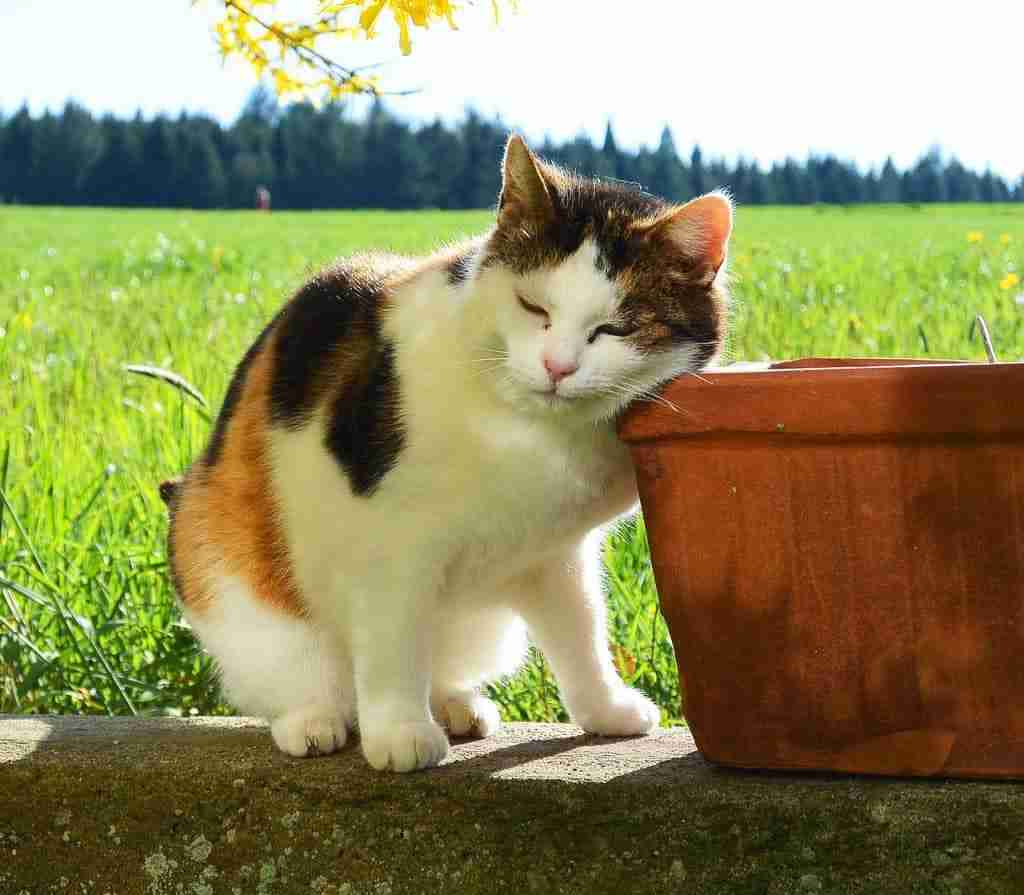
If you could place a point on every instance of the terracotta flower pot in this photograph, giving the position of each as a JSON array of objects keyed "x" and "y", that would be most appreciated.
[{"x": 839, "y": 552}]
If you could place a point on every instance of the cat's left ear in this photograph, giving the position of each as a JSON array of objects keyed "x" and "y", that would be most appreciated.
[
  {"x": 525, "y": 194},
  {"x": 701, "y": 229}
]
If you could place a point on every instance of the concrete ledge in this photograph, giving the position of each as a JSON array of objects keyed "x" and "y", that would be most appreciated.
[{"x": 90, "y": 806}]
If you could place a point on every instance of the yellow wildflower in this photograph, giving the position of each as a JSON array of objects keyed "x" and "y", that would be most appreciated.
[
  {"x": 975, "y": 236},
  {"x": 1009, "y": 281},
  {"x": 1005, "y": 239}
]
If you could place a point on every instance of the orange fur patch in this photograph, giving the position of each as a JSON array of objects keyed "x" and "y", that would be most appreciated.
[{"x": 226, "y": 519}]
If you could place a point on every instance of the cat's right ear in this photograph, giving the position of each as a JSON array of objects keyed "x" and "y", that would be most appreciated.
[{"x": 525, "y": 195}]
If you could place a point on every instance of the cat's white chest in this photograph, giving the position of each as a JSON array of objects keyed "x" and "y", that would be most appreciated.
[{"x": 526, "y": 489}]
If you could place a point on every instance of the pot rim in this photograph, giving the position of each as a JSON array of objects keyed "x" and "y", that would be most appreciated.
[{"x": 838, "y": 397}]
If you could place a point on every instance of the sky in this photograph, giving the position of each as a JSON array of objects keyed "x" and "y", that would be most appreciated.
[{"x": 762, "y": 80}]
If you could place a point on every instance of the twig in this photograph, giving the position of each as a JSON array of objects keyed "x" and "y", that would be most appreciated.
[{"x": 313, "y": 56}]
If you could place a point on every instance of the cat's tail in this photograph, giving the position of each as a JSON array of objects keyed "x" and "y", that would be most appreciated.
[{"x": 169, "y": 489}]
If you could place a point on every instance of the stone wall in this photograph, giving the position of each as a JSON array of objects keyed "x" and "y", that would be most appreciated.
[{"x": 202, "y": 806}]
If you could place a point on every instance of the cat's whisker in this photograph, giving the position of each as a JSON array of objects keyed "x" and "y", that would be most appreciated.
[
  {"x": 493, "y": 368},
  {"x": 649, "y": 395}
]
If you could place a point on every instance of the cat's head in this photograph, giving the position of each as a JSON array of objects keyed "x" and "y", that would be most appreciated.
[{"x": 599, "y": 292}]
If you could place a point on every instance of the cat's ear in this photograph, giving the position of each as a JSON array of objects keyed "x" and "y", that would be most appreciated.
[
  {"x": 700, "y": 228},
  {"x": 525, "y": 194}
]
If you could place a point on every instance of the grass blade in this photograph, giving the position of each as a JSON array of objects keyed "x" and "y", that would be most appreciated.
[
  {"x": 3, "y": 484},
  {"x": 5, "y": 501},
  {"x": 171, "y": 378}
]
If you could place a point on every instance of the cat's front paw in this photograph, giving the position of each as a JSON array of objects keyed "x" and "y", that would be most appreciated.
[
  {"x": 404, "y": 746},
  {"x": 624, "y": 713},
  {"x": 470, "y": 715},
  {"x": 309, "y": 732}
]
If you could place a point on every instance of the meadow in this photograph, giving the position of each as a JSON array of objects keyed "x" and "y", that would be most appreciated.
[{"x": 87, "y": 616}]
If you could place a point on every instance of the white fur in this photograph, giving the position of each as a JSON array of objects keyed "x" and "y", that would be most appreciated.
[{"x": 489, "y": 524}]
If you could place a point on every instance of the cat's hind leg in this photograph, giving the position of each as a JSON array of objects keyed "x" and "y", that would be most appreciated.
[{"x": 275, "y": 664}]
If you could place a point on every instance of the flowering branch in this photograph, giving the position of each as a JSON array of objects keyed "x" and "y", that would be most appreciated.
[{"x": 287, "y": 50}]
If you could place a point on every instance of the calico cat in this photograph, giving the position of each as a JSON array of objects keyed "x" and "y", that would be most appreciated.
[{"x": 415, "y": 459}]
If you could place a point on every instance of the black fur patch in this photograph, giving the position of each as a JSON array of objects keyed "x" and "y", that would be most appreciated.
[
  {"x": 329, "y": 347},
  {"x": 365, "y": 433},
  {"x": 231, "y": 399},
  {"x": 332, "y": 307},
  {"x": 169, "y": 489},
  {"x": 457, "y": 269}
]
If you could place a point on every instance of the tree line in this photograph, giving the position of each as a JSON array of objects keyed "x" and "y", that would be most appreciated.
[{"x": 324, "y": 158}]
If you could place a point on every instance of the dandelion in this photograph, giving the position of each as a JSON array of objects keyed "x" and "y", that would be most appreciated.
[
  {"x": 1009, "y": 281},
  {"x": 975, "y": 236},
  {"x": 24, "y": 319},
  {"x": 1004, "y": 239}
]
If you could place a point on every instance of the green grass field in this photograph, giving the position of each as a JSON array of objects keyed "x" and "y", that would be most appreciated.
[{"x": 87, "y": 618}]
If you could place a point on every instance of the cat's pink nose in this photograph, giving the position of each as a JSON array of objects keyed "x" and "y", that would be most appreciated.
[{"x": 558, "y": 370}]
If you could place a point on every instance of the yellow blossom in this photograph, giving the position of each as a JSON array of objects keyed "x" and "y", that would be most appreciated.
[
  {"x": 1009, "y": 281},
  {"x": 249, "y": 31},
  {"x": 1004, "y": 238},
  {"x": 975, "y": 236},
  {"x": 23, "y": 319}
]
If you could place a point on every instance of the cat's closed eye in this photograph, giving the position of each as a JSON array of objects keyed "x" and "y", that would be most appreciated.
[
  {"x": 610, "y": 329},
  {"x": 531, "y": 308}
]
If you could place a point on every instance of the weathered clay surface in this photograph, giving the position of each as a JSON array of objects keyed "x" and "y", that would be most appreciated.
[{"x": 203, "y": 806}]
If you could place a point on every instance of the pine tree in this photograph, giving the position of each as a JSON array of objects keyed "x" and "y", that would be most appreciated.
[
  {"x": 961, "y": 185},
  {"x": 17, "y": 176},
  {"x": 159, "y": 151},
  {"x": 889, "y": 183},
  {"x": 444, "y": 155},
  {"x": 699, "y": 181},
  {"x": 609, "y": 162},
  {"x": 926, "y": 180},
  {"x": 117, "y": 176},
  {"x": 667, "y": 175},
  {"x": 202, "y": 182}
]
